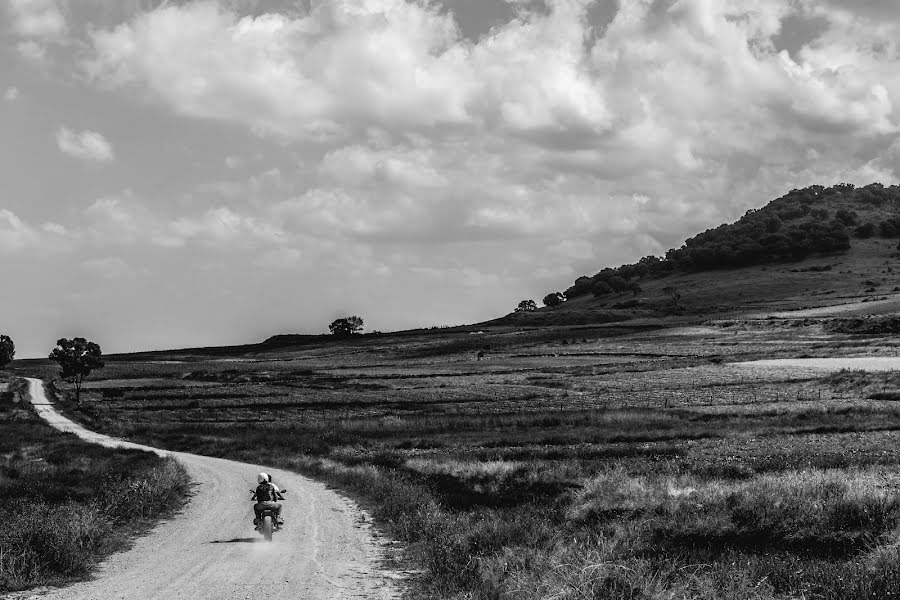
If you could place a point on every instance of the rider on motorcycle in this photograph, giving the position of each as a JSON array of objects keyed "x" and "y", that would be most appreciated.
[{"x": 267, "y": 495}]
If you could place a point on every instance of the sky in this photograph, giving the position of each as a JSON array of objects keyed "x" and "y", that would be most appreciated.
[{"x": 202, "y": 172}]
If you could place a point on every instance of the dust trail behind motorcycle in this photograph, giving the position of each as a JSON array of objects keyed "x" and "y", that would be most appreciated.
[{"x": 326, "y": 550}]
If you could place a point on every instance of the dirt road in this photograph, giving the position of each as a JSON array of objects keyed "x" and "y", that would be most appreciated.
[
  {"x": 210, "y": 550},
  {"x": 847, "y": 309},
  {"x": 857, "y": 363}
]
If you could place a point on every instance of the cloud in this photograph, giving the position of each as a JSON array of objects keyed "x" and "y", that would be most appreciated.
[
  {"x": 11, "y": 94},
  {"x": 111, "y": 267},
  {"x": 548, "y": 140},
  {"x": 660, "y": 91},
  {"x": 223, "y": 225},
  {"x": 17, "y": 235},
  {"x": 323, "y": 74},
  {"x": 87, "y": 145},
  {"x": 125, "y": 219},
  {"x": 38, "y": 24},
  {"x": 42, "y": 19}
]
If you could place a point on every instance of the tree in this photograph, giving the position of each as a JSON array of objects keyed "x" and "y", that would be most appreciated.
[
  {"x": 77, "y": 358},
  {"x": 346, "y": 326},
  {"x": 553, "y": 299},
  {"x": 526, "y": 306},
  {"x": 581, "y": 287},
  {"x": 7, "y": 350},
  {"x": 618, "y": 284},
  {"x": 866, "y": 230},
  {"x": 601, "y": 288}
]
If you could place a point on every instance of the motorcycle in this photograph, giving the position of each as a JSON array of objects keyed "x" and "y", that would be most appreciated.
[{"x": 268, "y": 518}]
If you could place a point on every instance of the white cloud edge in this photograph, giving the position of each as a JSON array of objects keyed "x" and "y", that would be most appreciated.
[{"x": 86, "y": 145}]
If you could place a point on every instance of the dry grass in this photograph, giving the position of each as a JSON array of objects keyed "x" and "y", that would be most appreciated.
[
  {"x": 66, "y": 504},
  {"x": 551, "y": 471}
]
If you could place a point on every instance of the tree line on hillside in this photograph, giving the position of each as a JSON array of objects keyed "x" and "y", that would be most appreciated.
[{"x": 790, "y": 228}]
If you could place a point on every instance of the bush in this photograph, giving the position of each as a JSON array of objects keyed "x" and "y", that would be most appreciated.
[
  {"x": 864, "y": 231},
  {"x": 45, "y": 543},
  {"x": 58, "y": 526}
]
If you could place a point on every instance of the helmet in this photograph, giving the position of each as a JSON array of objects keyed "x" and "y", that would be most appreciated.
[{"x": 262, "y": 477}]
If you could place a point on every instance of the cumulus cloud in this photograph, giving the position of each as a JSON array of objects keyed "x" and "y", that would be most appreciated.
[
  {"x": 37, "y": 18},
  {"x": 401, "y": 65},
  {"x": 550, "y": 140},
  {"x": 125, "y": 219},
  {"x": 223, "y": 225},
  {"x": 11, "y": 94},
  {"x": 332, "y": 70},
  {"x": 540, "y": 111},
  {"x": 38, "y": 24},
  {"x": 14, "y": 233},
  {"x": 397, "y": 158},
  {"x": 87, "y": 145},
  {"x": 18, "y": 235}
]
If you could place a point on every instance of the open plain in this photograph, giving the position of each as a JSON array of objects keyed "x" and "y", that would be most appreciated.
[{"x": 640, "y": 460}]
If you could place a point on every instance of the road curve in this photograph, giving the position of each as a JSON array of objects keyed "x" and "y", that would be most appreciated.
[{"x": 210, "y": 550}]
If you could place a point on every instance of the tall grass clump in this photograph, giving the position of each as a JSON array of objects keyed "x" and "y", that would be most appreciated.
[{"x": 66, "y": 504}]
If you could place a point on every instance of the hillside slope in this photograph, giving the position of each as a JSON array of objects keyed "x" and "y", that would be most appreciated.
[{"x": 812, "y": 247}]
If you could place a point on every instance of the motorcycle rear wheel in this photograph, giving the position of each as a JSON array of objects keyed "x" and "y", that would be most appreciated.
[{"x": 267, "y": 528}]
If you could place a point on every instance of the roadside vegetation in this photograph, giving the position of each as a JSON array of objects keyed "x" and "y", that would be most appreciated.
[
  {"x": 66, "y": 504},
  {"x": 567, "y": 464}
]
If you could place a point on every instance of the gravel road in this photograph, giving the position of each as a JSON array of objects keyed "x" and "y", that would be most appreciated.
[
  {"x": 210, "y": 550},
  {"x": 847, "y": 309},
  {"x": 857, "y": 363}
]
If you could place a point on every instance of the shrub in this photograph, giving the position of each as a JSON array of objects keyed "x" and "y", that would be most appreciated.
[
  {"x": 62, "y": 523},
  {"x": 864, "y": 231}
]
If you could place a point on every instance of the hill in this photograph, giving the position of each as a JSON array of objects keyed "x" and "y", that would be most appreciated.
[{"x": 810, "y": 247}]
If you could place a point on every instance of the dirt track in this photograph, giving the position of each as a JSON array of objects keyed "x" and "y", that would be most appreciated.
[
  {"x": 847, "y": 309},
  {"x": 858, "y": 363},
  {"x": 210, "y": 550}
]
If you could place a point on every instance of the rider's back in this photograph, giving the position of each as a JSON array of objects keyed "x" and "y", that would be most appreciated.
[{"x": 265, "y": 492}]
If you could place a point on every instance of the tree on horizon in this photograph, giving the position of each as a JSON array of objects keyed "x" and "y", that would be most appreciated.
[
  {"x": 554, "y": 299},
  {"x": 77, "y": 358},
  {"x": 526, "y": 306},
  {"x": 346, "y": 326},
  {"x": 7, "y": 351}
]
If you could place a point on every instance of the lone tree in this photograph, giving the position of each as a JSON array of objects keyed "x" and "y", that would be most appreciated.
[
  {"x": 7, "y": 350},
  {"x": 346, "y": 326},
  {"x": 77, "y": 358},
  {"x": 526, "y": 306},
  {"x": 553, "y": 299}
]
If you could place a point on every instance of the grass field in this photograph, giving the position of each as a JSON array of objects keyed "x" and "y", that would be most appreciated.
[
  {"x": 66, "y": 504},
  {"x": 582, "y": 462}
]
